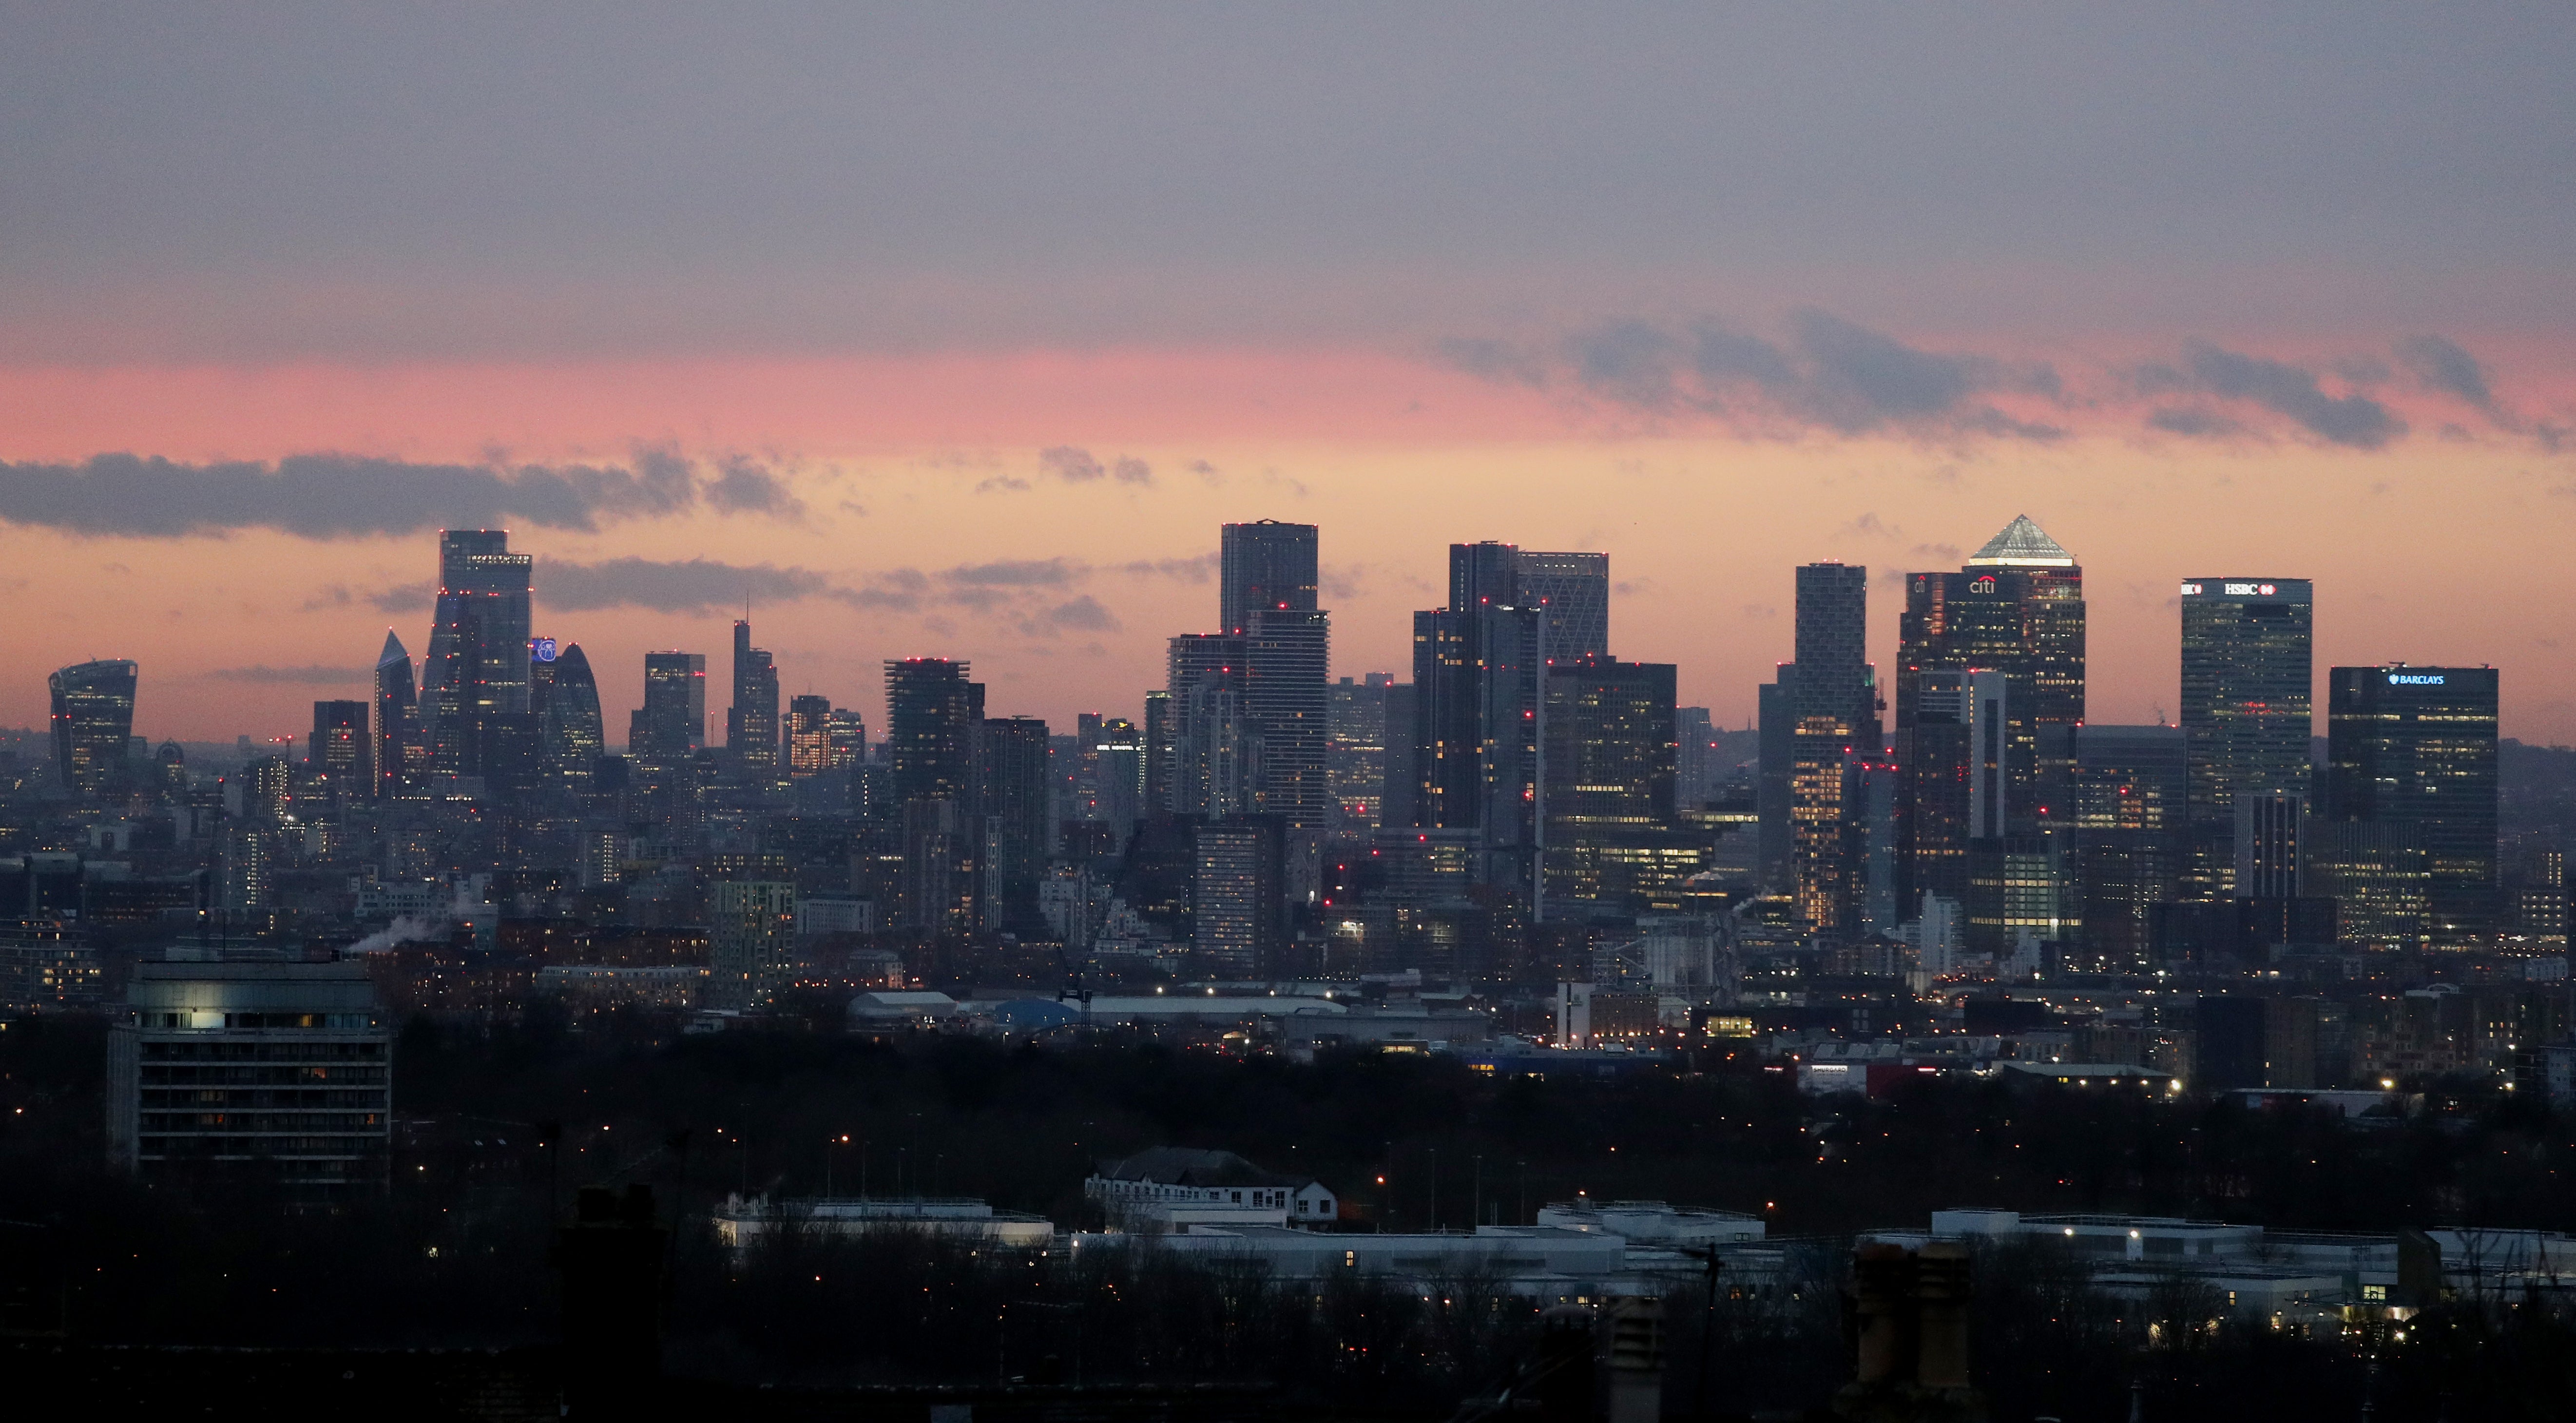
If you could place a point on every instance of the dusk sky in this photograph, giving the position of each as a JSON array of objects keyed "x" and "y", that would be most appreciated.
[{"x": 958, "y": 329}]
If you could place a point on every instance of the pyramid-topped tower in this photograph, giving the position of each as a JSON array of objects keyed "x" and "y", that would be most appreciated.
[{"x": 2022, "y": 544}]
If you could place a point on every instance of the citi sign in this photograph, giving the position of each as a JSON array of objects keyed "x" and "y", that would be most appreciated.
[
  {"x": 2415, "y": 679},
  {"x": 2232, "y": 590}
]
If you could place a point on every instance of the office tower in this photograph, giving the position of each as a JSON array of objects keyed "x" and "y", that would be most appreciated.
[
  {"x": 93, "y": 721},
  {"x": 1831, "y": 714},
  {"x": 339, "y": 746},
  {"x": 1609, "y": 759},
  {"x": 1264, "y": 566},
  {"x": 1479, "y": 695},
  {"x": 1574, "y": 590},
  {"x": 1287, "y": 715},
  {"x": 1400, "y": 790},
  {"x": 672, "y": 723},
  {"x": 1113, "y": 792},
  {"x": 1210, "y": 736},
  {"x": 2377, "y": 874},
  {"x": 1869, "y": 792},
  {"x": 1012, "y": 775},
  {"x": 2017, "y": 608},
  {"x": 809, "y": 735},
  {"x": 934, "y": 724},
  {"x": 2247, "y": 674},
  {"x": 2127, "y": 793},
  {"x": 751, "y": 936},
  {"x": 575, "y": 732},
  {"x": 751, "y": 723},
  {"x": 179, "y": 1101},
  {"x": 1695, "y": 769},
  {"x": 478, "y": 647},
  {"x": 2265, "y": 844},
  {"x": 1160, "y": 751},
  {"x": 1356, "y": 757},
  {"x": 267, "y": 790},
  {"x": 1235, "y": 899},
  {"x": 1775, "y": 715},
  {"x": 1955, "y": 780},
  {"x": 2415, "y": 747},
  {"x": 399, "y": 752}
]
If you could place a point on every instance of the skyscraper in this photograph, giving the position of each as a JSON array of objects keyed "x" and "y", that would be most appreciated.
[
  {"x": 575, "y": 731},
  {"x": 339, "y": 746},
  {"x": 1955, "y": 780},
  {"x": 93, "y": 722},
  {"x": 2247, "y": 674},
  {"x": 1012, "y": 774},
  {"x": 1210, "y": 737},
  {"x": 1479, "y": 688},
  {"x": 1776, "y": 718},
  {"x": 1833, "y": 715},
  {"x": 1266, "y": 599},
  {"x": 1356, "y": 759},
  {"x": 478, "y": 646},
  {"x": 399, "y": 752},
  {"x": 1287, "y": 715},
  {"x": 809, "y": 735},
  {"x": 1574, "y": 591},
  {"x": 1235, "y": 899},
  {"x": 1609, "y": 760},
  {"x": 2128, "y": 802},
  {"x": 751, "y": 723},
  {"x": 2415, "y": 748},
  {"x": 672, "y": 723},
  {"x": 934, "y": 729},
  {"x": 1264, "y": 566},
  {"x": 2017, "y": 608}
]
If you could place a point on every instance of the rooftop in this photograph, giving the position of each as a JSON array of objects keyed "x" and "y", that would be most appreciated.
[{"x": 2022, "y": 545}]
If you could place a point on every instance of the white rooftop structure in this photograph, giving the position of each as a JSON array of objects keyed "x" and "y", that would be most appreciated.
[
  {"x": 744, "y": 1221},
  {"x": 2022, "y": 545},
  {"x": 1652, "y": 1222}
]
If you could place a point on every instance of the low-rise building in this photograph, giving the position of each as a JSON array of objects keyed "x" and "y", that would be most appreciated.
[
  {"x": 274, "y": 1070},
  {"x": 746, "y": 1221},
  {"x": 1174, "y": 1190}
]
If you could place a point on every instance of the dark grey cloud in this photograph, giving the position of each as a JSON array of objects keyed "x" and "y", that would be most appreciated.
[
  {"x": 1018, "y": 573},
  {"x": 1083, "y": 613},
  {"x": 696, "y": 585},
  {"x": 313, "y": 676},
  {"x": 2353, "y": 419},
  {"x": 405, "y": 597},
  {"x": 2193, "y": 421},
  {"x": 1076, "y": 465},
  {"x": 1827, "y": 373},
  {"x": 333, "y": 496},
  {"x": 2441, "y": 364}
]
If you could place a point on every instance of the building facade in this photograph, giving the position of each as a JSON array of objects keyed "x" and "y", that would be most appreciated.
[
  {"x": 2248, "y": 667},
  {"x": 262, "y": 1071},
  {"x": 2415, "y": 747}
]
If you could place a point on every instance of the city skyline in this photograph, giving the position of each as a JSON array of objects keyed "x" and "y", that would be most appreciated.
[{"x": 2134, "y": 670}]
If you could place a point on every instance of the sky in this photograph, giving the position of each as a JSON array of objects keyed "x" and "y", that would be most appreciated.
[{"x": 958, "y": 330}]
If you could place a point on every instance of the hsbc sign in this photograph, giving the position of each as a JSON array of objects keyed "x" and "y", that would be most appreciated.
[{"x": 2232, "y": 590}]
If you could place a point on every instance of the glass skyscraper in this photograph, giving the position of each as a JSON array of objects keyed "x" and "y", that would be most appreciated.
[
  {"x": 399, "y": 751},
  {"x": 2415, "y": 748},
  {"x": 2248, "y": 669},
  {"x": 751, "y": 722},
  {"x": 93, "y": 722},
  {"x": 2017, "y": 608},
  {"x": 478, "y": 645},
  {"x": 1831, "y": 714},
  {"x": 1574, "y": 590}
]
